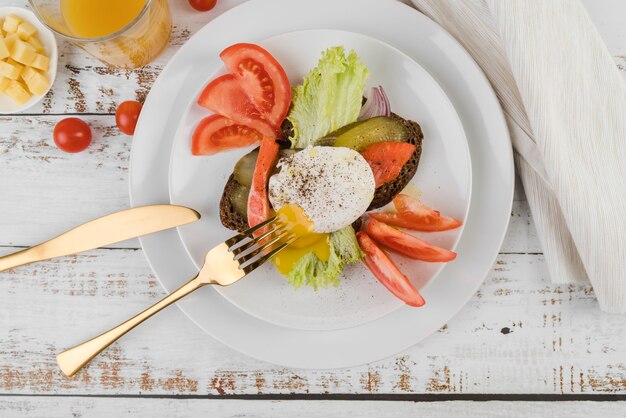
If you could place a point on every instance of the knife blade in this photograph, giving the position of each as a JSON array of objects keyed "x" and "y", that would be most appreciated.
[{"x": 116, "y": 227}]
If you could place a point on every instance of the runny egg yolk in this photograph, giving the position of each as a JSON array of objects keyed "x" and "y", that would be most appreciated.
[{"x": 307, "y": 241}]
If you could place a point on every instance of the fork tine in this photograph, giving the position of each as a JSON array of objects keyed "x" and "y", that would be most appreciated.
[
  {"x": 261, "y": 260},
  {"x": 259, "y": 239},
  {"x": 248, "y": 233},
  {"x": 262, "y": 248}
]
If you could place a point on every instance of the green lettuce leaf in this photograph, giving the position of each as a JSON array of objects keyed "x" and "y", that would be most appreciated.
[
  {"x": 311, "y": 271},
  {"x": 329, "y": 97}
]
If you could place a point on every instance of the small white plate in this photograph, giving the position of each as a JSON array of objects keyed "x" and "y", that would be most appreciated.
[
  {"x": 7, "y": 105},
  {"x": 443, "y": 178}
]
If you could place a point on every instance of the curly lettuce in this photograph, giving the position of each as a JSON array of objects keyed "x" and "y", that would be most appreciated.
[
  {"x": 329, "y": 97},
  {"x": 311, "y": 271}
]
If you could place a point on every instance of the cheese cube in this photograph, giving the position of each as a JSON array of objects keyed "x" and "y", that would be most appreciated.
[
  {"x": 9, "y": 70},
  {"x": 22, "y": 52},
  {"x": 10, "y": 39},
  {"x": 1, "y": 24},
  {"x": 41, "y": 62},
  {"x": 38, "y": 83},
  {"x": 4, "y": 82},
  {"x": 11, "y": 23},
  {"x": 4, "y": 49},
  {"x": 15, "y": 64},
  {"x": 27, "y": 73},
  {"x": 18, "y": 92},
  {"x": 36, "y": 44},
  {"x": 26, "y": 30}
]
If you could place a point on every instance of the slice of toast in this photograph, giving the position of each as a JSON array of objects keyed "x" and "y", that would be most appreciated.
[{"x": 233, "y": 219}]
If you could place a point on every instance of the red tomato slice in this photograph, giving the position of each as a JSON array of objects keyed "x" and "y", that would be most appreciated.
[
  {"x": 412, "y": 214},
  {"x": 393, "y": 219},
  {"x": 262, "y": 78},
  {"x": 406, "y": 244},
  {"x": 258, "y": 202},
  {"x": 387, "y": 273},
  {"x": 225, "y": 97},
  {"x": 387, "y": 159},
  {"x": 426, "y": 218},
  {"x": 216, "y": 133}
]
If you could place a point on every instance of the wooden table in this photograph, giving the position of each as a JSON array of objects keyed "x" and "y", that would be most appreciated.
[{"x": 521, "y": 338}]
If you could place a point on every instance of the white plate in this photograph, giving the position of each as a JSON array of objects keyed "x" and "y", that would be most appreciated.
[
  {"x": 492, "y": 172},
  {"x": 443, "y": 178},
  {"x": 7, "y": 105}
]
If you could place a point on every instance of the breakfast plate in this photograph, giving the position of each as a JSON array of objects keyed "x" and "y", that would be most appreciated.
[
  {"x": 443, "y": 179},
  {"x": 491, "y": 194}
]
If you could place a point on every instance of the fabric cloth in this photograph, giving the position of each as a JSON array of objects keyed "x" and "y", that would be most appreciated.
[{"x": 565, "y": 104}]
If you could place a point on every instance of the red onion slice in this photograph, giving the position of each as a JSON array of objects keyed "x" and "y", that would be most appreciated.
[{"x": 377, "y": 104}]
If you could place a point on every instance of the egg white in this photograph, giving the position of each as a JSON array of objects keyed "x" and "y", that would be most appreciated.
[{"x": 333, "y": 185}]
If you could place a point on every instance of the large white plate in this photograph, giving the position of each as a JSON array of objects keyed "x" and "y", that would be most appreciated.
[
  {"x": 492, "y": 167},
  {"x": 443, "y": 178}
]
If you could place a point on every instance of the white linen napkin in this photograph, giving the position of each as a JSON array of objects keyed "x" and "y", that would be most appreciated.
[{"x": 565, "y": 104}]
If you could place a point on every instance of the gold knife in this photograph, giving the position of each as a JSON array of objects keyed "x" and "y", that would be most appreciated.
[{"x": 103, "y": 231}]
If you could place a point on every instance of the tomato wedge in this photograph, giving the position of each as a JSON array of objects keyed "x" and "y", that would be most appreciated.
[
  {"x": 225, "y": 97},
  {"x": 386, "y": 159},
  {"x": 262, "y": 78},
  {"x": 387, "y": 273},
  {"x": 258, "y": 202},
  {"x": 412, "y": 214},
  {"x": 428, "y": 219},
  {"x": 406, "y": 244},
  {"x": 216, "y": 133}
]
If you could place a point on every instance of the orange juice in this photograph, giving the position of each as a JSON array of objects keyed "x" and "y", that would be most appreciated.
[
  {"x": 121, "y": 33},
  {"x": 94, "y": 19}
]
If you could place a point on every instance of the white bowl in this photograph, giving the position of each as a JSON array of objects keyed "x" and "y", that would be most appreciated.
[{"x": 8, "y": 105}]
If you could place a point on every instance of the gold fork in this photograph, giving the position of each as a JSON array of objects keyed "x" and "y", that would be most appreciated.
[{"x": 223, "y": 265}]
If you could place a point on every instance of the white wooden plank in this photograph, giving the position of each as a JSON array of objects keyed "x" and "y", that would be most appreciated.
[
  {"x": 518, "y": 334},
  {"x": 51, "y": 407},
  {"x": 46, "y": 191},
  {"x": 84, "y": 84}
]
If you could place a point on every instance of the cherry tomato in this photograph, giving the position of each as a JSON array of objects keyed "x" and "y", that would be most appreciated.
[
  {"x": 225, "y": 97},
  {"x": 386, "y": 159},
  {"x": 262, "y": 78},
  {"x": 387, "y": 273},
  {"x": 406, "y": 244},
  {"x": 72, "y": 135},
  {"x": 216, "y": 133},
  {"x": 126, "y": 116},
  {"x": 202, "y": 5},
  {"x": 412, "y": 214}
]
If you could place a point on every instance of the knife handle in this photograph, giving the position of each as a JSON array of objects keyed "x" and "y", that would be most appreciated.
[{"x": 28, "y": 255}]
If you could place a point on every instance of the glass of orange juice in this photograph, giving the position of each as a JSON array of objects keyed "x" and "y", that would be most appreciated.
[{"x": 120, "y": 33}]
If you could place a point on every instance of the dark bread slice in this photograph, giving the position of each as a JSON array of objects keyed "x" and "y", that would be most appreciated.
[
  {"x": 229, "y": 216},
  {"x": 236, "y": 221}
]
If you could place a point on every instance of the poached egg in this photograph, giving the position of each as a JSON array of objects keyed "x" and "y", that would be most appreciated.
[{"x": 317, "y": 191}]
